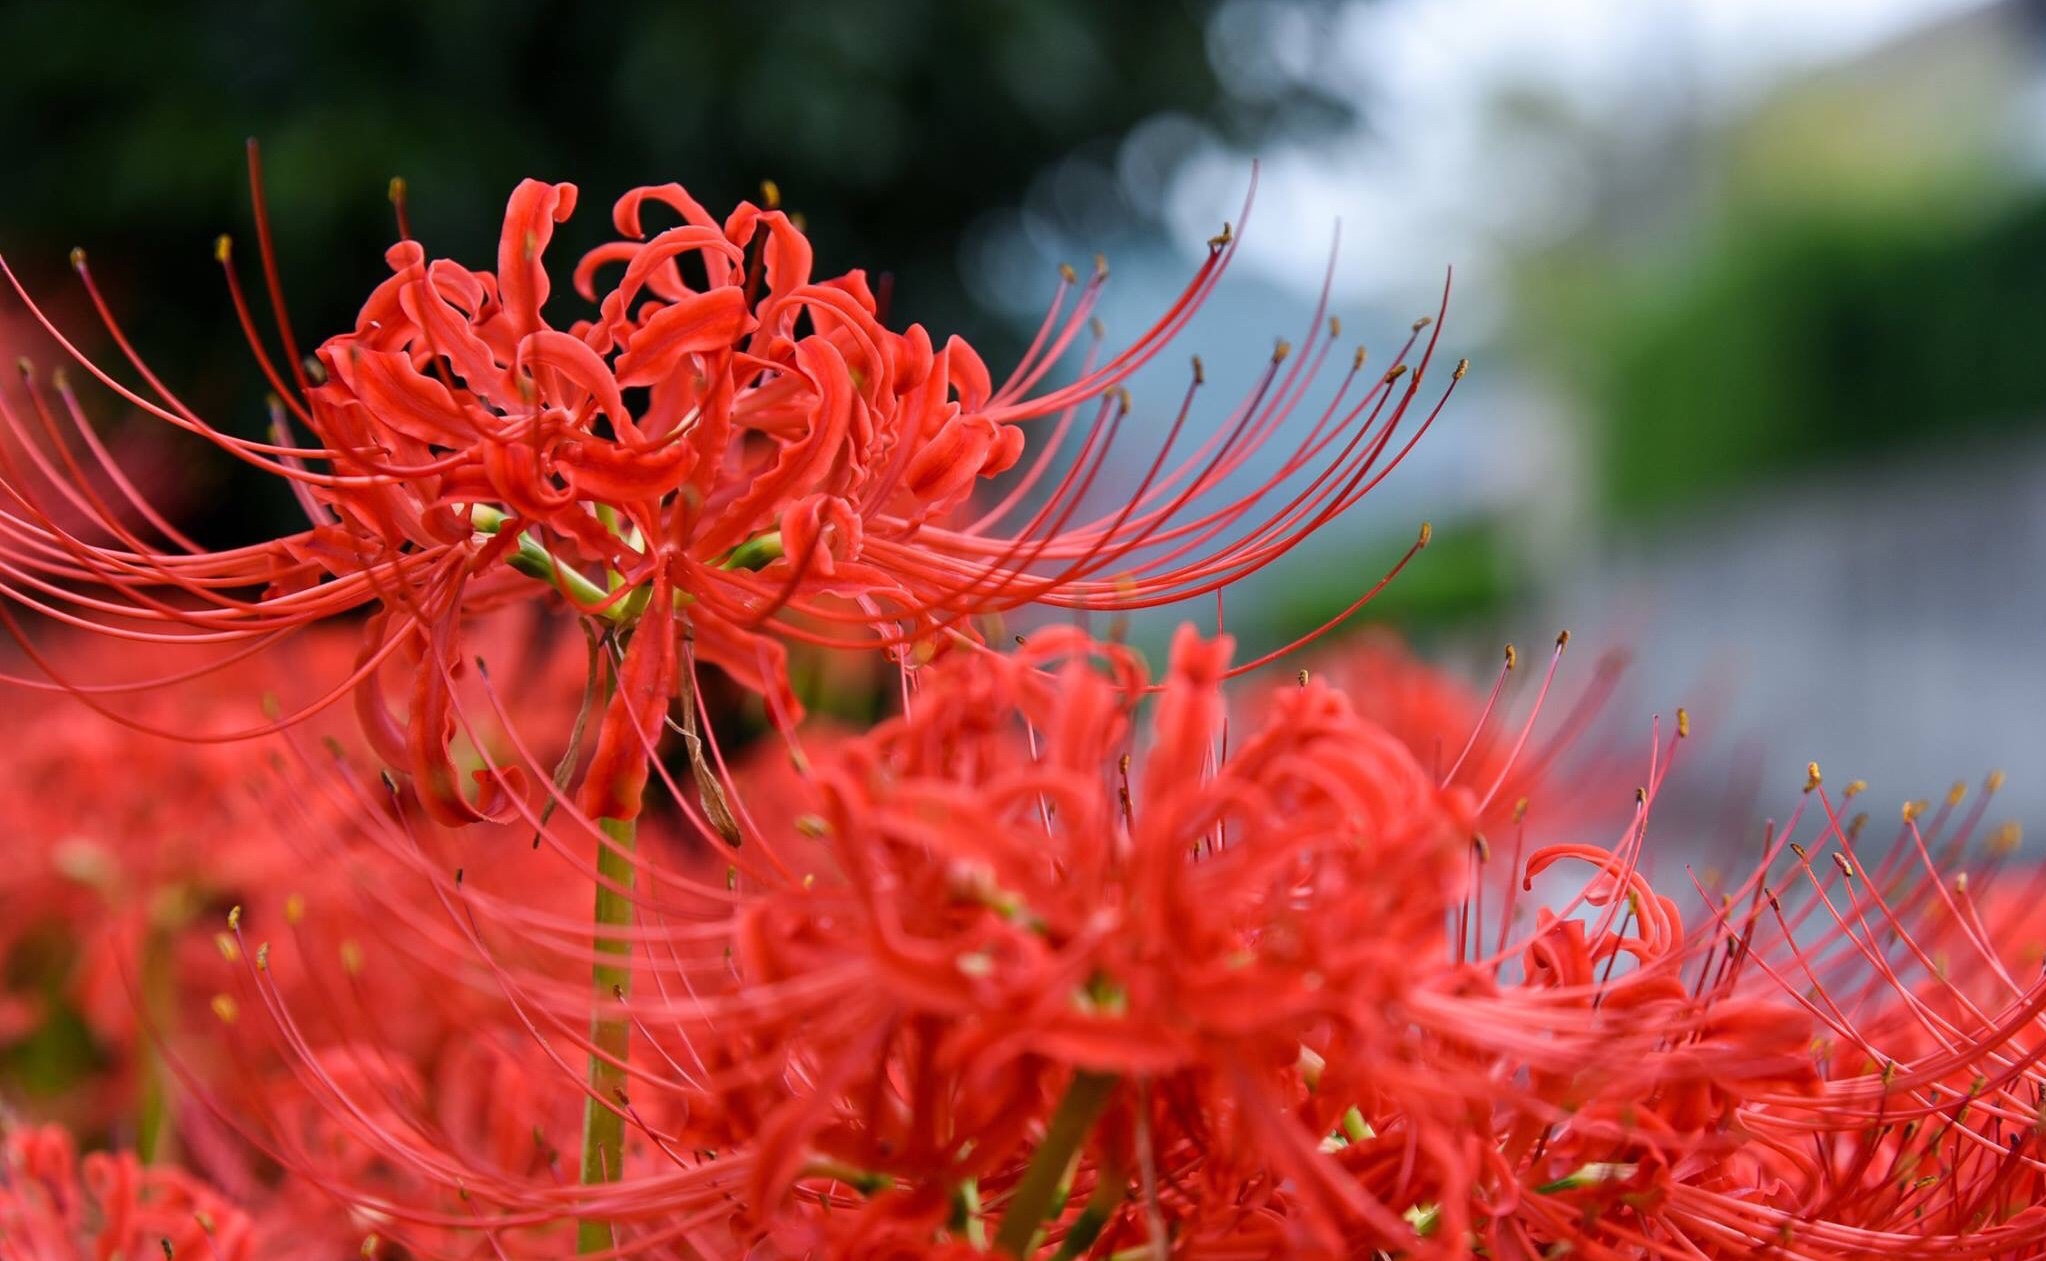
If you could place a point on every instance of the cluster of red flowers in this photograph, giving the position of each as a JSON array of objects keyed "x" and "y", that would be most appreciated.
[{"x": 1055, "y": 961}]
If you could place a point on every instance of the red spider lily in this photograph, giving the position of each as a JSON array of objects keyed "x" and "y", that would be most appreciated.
[
  {"x": 1014, "y": 921},
  {"x": 1907, "y": 1127},
  {"x": 1925, "y": 1136},
  {"x": 728, "y": 451},
  {"x": 108, "y": 1207},
  {"x": 137, "y": 862}
]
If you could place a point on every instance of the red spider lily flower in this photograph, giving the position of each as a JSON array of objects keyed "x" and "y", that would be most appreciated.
[
  {"x": 108, "y": 1206},
  {"x": 1020, "y": 932},
  {"x": 724, "y": 450},
  {"x": 1838, "y": 1061},
  {"x": 1919, "y": 968},
  {"x": 137, "y": 865}
]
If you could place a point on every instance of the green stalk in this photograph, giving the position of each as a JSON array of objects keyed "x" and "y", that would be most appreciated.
[
  {"x": 610, "y": 1034},
  {"x": 153, "y": 1122},
  {"x": 1071, "y": 1122}
]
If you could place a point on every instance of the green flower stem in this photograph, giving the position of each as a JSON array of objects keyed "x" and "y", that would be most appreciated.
[
  {"x": 610, "y": 1034},
  {"x": 1071, "y": 1122},
  {"x": 153, "y": 1134}
]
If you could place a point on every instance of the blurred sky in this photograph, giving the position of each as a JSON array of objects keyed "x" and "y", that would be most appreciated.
[{"x": 1874, "y": 606}]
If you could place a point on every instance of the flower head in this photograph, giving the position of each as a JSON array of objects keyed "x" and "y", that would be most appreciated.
[
  {"x": 108, "y": 1206},
  {"x": 726, "y": 452}
]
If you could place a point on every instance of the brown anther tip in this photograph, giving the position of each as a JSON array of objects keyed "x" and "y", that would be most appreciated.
[
  {"x": 1463, "y": 367},
  {"x": 1961, "y": 883},
  {"x": 1335, "y": 326},
  {"x": 1122, "y": 400},
  {"x": 1992, "y": 782},
  {"x": 458, "y": 877},
  {"x": 1811, "y": 776},
  {"x": 1911, "y": 811},
  {"x": 2006, "y": 838},
  {"x": 1846, "y": 868},
  {"x": 1280, "y": 350},
  {"x": 78, "y": 258},
  {"x": 1423, "y": 322},
  {"x": 234, "y": 918},
  {"x": 1200, "y": 371},
  {"x": 1100, "y": 267},
  {"x": 1483, "y": 846},
  {"x": 1427, "y": 533},
  {"x": 1512, "y": 657},
  {"x": 1123, "y": 763},
  {"x": 396, "y": 190},
  {"x": 618, "y": 992},
  {"x": 1019, "y": 641},
  {"x": 1357, "y": 360},
  {"x": 25, "y": 368},
  {"x": 223, "y": 248},
  {"x": 1096, "y": 328},
  {"x": 1683, "y": 722},
  {"x": 1640, "y": 796},
  {"x": 1222, "y": 238},
  {"x": 1797, "y": 849},
  {"x": 263, "y": 956},
  {"x": 1855, "y": 787},
  {"x": 1067, "y": 274},
  {"x": 1395, "y": 372},
  {"x": 1854, "y": 825},
  {"x": 1562, "y": 639},
  {"x": 770, "y": 193},
  {"x": 1520, "y": 810},
  {"x": 1956, "y": 793}
]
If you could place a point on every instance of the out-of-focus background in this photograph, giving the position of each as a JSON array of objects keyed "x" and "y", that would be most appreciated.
[{"x": 1755, "y": 291}]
